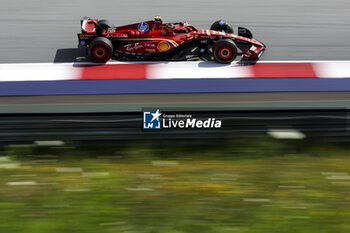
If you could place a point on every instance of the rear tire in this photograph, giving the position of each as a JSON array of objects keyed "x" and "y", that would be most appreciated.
[
  {"x": 225, "y": 51},
  {"x": 105, "y": 24},
  {"x": 221, "y": 25},
  {"x": 100, "y": 50}
]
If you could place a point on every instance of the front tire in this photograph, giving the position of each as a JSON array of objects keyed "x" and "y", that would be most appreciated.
[
  {"x": 225, "y": 51},
  {"x": 100, "y": 50},
  {"x": 221, "y": 26}
]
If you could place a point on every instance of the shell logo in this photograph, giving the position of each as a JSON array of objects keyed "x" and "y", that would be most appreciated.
[{"x": 163, "y": 46}]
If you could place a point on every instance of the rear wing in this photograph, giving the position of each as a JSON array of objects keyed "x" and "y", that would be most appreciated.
[{"x": 88, "y": 25}]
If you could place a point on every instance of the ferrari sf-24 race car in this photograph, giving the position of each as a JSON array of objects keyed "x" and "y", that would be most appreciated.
[{"x": 155, "y": 40}]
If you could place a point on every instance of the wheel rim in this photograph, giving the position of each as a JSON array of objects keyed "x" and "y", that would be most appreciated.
[
  {"x": 99, "y": 52},
  {"x": 225, "y": 52}
]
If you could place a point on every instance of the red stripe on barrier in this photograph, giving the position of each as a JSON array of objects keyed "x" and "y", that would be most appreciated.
[
  {"x": 114, "y": 71},
  {"x": 283, "y": 70}
]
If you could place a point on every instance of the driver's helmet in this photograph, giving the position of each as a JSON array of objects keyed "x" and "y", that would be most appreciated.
[
  {"x": 169, "y": 27},
  {"x": 157, "y": 18}
]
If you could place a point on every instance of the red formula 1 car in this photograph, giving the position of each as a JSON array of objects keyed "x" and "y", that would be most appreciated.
[{"x": 154, "y": 40}]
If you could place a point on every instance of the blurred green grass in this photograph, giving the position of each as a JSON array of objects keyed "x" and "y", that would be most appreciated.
[{"x": 254, "y": 186}]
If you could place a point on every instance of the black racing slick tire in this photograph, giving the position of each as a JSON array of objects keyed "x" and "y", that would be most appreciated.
[
  {"x": 100, "y": 50},
  {"x": 105, "y": 24},
  {"x": 225, "y": 51},
  {"x": 221, "y": 25}
]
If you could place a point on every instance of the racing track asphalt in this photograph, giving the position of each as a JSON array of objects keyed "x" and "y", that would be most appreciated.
[
  {"x": 213, "y": 101},
  {"x": 45, "y": 31}
]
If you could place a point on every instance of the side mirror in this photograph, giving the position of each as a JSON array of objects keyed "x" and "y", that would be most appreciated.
[{"x": 244, "y": 32}]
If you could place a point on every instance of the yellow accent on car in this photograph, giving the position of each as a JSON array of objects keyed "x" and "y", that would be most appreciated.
[{"x": 170, "y": 41}]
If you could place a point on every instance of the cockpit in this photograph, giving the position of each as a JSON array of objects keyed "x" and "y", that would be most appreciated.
[{"x": 179, "y": 27}]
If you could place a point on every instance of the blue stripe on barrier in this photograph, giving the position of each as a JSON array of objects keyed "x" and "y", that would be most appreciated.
[{"x": 84, "y": 87}]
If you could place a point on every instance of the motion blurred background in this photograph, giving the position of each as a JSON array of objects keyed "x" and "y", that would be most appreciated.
[{"x": 82, "y": 163}]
